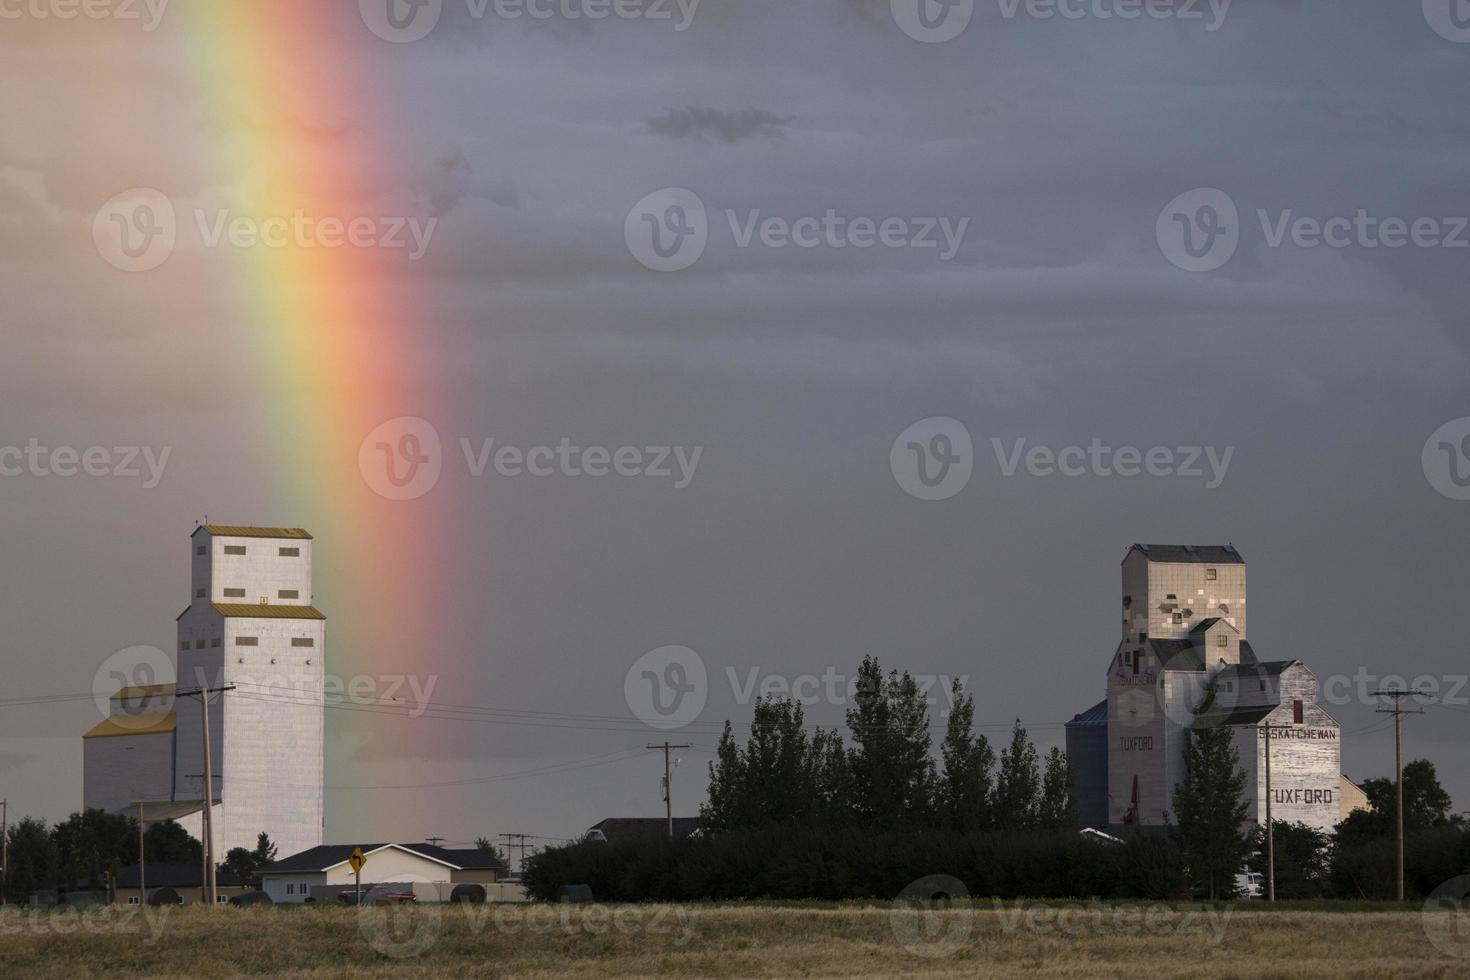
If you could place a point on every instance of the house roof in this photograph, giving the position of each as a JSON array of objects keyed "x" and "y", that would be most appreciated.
[
  {"x": 143, "y": 691},
  {"x": 246, "y": 531},
  {"x": 328, "y": 856},
  {"x": 1190, "y": 554},
  {"x": 243, "y": 610},
  {"x": 1094, "y": 717},
  {"x": 170, "y": 874},
  {"x": 1270, "y": 668},
  {"x": 622, "y": 829},
  {"x": 1239, "y": 715},
  {"x": 1205, "y": 625},
  {"x": 1177, "y": 654},
  {"x": 157, "y": 724}
]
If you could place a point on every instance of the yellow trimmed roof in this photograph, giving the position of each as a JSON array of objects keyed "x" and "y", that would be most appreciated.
[
  {"x": 244, "y": 531},
  {"x": 243, "y": 610},
  {"x": 134, "y": 725},
  {"x": 143, "y": 691}
]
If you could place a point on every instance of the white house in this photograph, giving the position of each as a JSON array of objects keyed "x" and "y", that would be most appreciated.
[{"x": 321, "y": 873}]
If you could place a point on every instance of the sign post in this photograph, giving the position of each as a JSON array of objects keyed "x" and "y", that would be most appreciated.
[{"x": 357, "y": 860}]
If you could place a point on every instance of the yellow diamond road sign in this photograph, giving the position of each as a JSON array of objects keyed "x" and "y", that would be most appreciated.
[{"x": 357, "y": 860}]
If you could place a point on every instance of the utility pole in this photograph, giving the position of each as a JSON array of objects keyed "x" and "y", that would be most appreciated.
[
  {"x": 434, "y": 841},
  {"x": 1270, "y": 829},
  {"x": 668, "y": 784},
  {"x": 1398, "y": 711},
  {"x": 209, "y": 883},
  {"x": 4, "y": 848},
  {"x": 142, "y": 860},
  {"x": 514, "y": 842}
]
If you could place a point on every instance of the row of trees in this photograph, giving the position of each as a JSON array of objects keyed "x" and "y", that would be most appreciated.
[
  {"x": 887, "y": 777},
  {"x": 80, "y": 850}
]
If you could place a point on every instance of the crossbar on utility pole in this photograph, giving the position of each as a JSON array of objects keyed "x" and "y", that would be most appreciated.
[
  {"x": 1398, "y": 711},
  {"x": 668, "y": 781},
  {"x": 209, "y": 883}
]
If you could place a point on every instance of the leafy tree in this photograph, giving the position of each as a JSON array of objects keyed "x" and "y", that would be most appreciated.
[
  {"x": 487, "y": 847},
  {"x": 964, "y": 788},
  {"x": 33, "y": 860},
  {"x": 167, "y": 841},
  {"x": 776, "y": 762},
  {"x": 244, "y": 863},
  {"x": 831, "y": 779},
  {"x": 1057, "y": 809},
  {"x": 1017, "y": 791},
  {"x": 1210, "y": 807},
  {"x": 92, "y": 842},
  {"x": 1301, "y": 859},
  {"x": 724, "y": 805},
  {"x": 1426, "y": 805},
  {"x": 892, "y": 770}
]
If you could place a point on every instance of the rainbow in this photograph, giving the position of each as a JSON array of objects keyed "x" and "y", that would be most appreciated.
[{"x": 295, "y": 116}]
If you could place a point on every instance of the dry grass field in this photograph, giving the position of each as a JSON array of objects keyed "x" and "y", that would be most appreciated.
[{"x": 757, "y": 940}]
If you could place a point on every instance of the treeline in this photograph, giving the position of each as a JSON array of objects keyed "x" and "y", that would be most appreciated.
[
  {"x": 887, "y": 777},
  {"x": 804, "y": 861},
  {"x": 78, "y": 851},
  {"x": 81, "y": 851},
  {"x": 799, "y": 813}
]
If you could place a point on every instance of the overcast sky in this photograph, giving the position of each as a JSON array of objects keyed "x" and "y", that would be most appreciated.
[{"x": 1059, "y": 303}]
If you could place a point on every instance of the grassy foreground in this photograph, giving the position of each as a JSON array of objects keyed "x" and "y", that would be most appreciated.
[{"x": 755, "y": 940}]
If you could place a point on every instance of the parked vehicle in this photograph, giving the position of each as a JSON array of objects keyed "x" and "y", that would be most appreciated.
[{"x": 379, "y": 895}]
